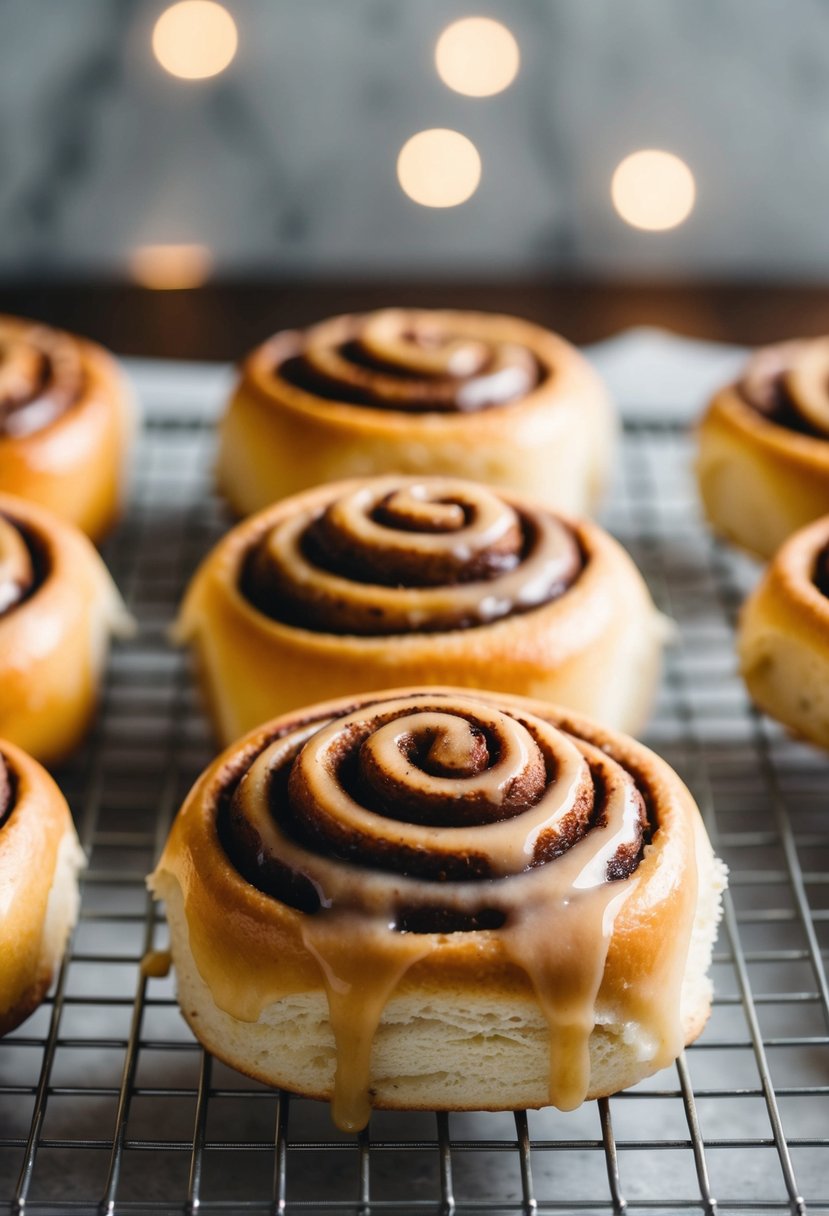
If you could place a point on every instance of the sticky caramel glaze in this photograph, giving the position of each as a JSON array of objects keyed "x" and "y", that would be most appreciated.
[
  {"x": 53, "y": 638},
  {"x": 487, "y": 397},
  {"x": 34, "y": 822},
  {"x": 397, "y": 554},
  {"x": 595, "y": 646},
  {"x": 66, "y": 420},
  {"x": 578, "y": 844}
]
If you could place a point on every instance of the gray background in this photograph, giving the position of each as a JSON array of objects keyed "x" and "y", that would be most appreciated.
[{"x": 285, "y": 164}]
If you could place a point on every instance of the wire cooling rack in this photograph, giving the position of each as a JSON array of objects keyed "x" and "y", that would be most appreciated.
[{"x": 107, "y": 1104}]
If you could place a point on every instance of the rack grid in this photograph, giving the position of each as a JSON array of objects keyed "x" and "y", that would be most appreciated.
[{"x": 108, "y": 1105}]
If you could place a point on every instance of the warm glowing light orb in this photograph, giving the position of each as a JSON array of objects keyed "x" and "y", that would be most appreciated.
[
  {"x": 653, "y": 190},
  {"x": 170, "y": 267},
  {"x": 195, "y": 39},
  {"x": 439, "y": 168},
  {"x": 477, "y": 56}
]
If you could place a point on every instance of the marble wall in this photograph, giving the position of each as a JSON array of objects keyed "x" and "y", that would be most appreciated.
[{"x": 285, "y": 163}]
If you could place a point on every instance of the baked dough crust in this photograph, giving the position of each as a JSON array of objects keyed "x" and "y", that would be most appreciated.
[
  {"x": 555, "y": 443},
  {"x": 39, "y": 861},
  {"x": 783, "y": 638},
  {"x": 463, "y": 1028},
  {"x": 596, "y": 648},
  {"x": 76, "y": 464},
  {"x": 759, "y": 481},
  {"x": 53, "y": 644}
]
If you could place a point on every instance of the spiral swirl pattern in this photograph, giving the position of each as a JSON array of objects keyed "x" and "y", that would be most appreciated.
[
  {"x": 413, "y": 818},
  {"x": 427, "y": 811},
  {"x": 406, "y": 360},
  {"x": 396, "y": 554},
  {"x": 41, "y": 376},
  {"x": 17, "y": 569},
  {"x": 821, "y": 571},
  {"x": 6, "y": 791},
  {"x": 789, "y": 384}
]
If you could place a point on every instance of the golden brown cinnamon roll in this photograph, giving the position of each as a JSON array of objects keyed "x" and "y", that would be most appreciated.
[
  {"x": 487, "y": 397},
  {"x": 783, "y": 639},
  {"x": 66, "y": 419},
  {"x": 39, "y": 862},
  {"x": 58, "y": 610},
  {"x": 427, "y": 581},
  {"x": 441, "y": 899},
  {"x": 763, "y": 461}
]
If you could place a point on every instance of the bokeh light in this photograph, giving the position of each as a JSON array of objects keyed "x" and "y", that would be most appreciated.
[
  {"x": 477, "y": 56},
  {"x": 195, "y": 39},
  {"x": 170, "y": 267},
  {"x": 653, "y": 190},
  {"x": 439, "y": 168}
]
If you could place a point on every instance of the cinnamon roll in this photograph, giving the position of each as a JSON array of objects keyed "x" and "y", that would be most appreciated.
[
  {"x": 360, "y": 584},
  {"x": 58, "y": 610},
  {"x": 441, "y": 900},
  {"x": 783, "y": 638},
  {"x": 39, "y": 862},
  {"x": 66, "y": 420},
  {"x": 763, "y": 461},
  {"x": 487, "y": 397}
]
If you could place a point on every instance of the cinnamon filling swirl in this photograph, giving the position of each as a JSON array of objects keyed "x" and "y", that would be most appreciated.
[
  {"x": 41, "y": 377},
  {"x": 821, "y": 571},
  {"x": 18, "y": 573},
  {"x": 396, "y": 555},
  {"x": 406, "y": 360},
  {"x": 789, "y": 384},
  {"x": 430, "y": 815},
  {"x": 6, "y": 790}
]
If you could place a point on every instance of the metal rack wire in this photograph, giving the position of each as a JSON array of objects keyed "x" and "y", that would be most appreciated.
[{"x": 108, "y": 1105}]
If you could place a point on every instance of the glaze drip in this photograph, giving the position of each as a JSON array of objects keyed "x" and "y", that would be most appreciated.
[
  {"x": 17, "y": 569},
  {"x": 41, "y": 376},
  {"x": 789, "y": 384},
  {"x": 407, "y": 361},
  {"x": 417, "y": 817},
  {"x": 398, "y": 554}
]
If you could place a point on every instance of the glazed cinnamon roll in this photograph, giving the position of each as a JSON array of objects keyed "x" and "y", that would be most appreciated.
[
  {"x": 39, "y": 862},
  {"x": 429, "y": 581},
  {"x": 783, "y": 639},
  {"x": 441, "y": 900},
  {"x": 763, "y": 461},
  {"x": 66, "y": 420},
  {"x": 58, "y": 610},
  {"x": 487, "y": 397}
]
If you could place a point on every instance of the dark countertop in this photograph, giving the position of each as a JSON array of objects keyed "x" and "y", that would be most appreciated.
[{"x": 222, "y": 321}]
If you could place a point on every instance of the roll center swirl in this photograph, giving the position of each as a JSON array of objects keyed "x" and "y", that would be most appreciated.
[
  {"x": 41, "y": 376},
  {"x": 6, "y": 791},
  {"x": 424, "y": 815},
  {"x": 789, "y": 383},
  {"x": 395, "y": 555},
  {"x": 408, "y": 361},
  {"x": 421, "y": 791},
  {"x": 17, "y": 573}
]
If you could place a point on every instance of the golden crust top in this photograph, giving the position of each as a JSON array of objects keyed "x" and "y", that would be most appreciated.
[
  {"x": 378, "y": 369},
  {"x": 66, "y": 421},
  {"x": 789, "y": 584}
]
